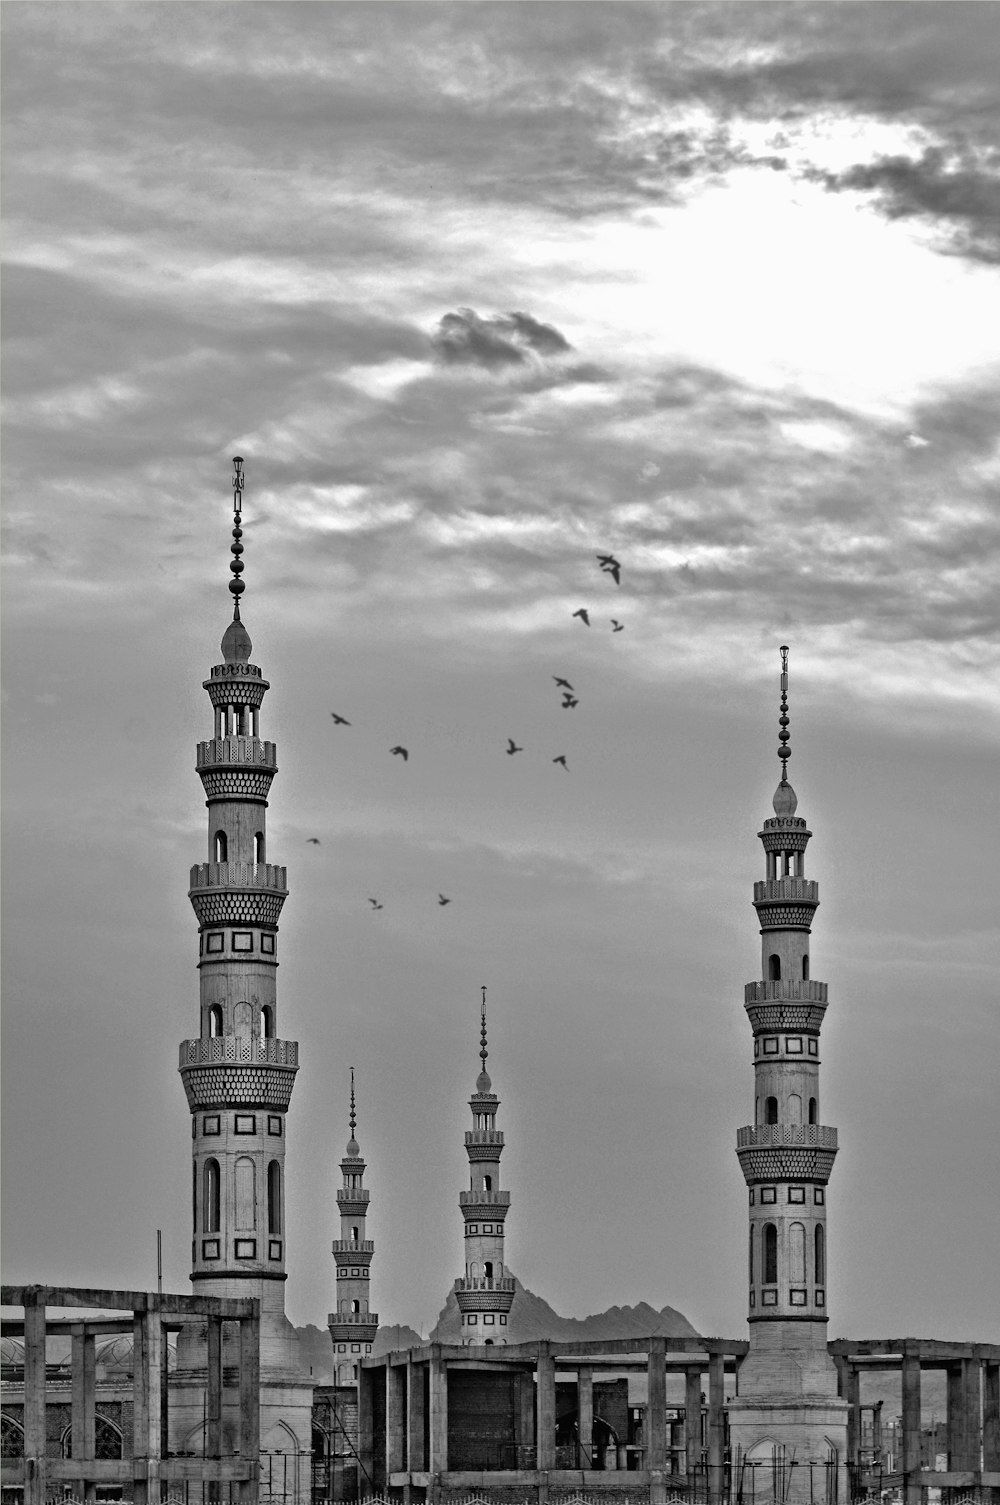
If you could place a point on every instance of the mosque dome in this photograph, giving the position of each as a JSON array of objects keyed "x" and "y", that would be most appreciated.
[
  {"x": 236, "y": 644},
  {"x": 785, "y": 800},
  {"x": 353, "y": 1150},
  {"x": 483, "y": 1083}
]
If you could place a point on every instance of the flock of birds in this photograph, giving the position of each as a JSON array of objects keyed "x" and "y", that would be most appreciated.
[{"x": 609, "y": 566}]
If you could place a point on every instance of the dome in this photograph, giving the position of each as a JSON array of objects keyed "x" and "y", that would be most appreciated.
[
  {"x": 236, "y": 644},
  {"x": 483, "y": 1083},
  {"x": 353, "y": 1150},
  {"x": 785, "y": 800}
]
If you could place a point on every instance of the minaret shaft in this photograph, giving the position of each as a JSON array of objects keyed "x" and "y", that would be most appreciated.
[
  {"x": 352, "y": 1326},
  {"x": 485, "y": 1293}
]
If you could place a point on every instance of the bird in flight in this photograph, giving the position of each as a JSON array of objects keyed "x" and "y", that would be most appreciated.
[
  {"x": 443, "y": 900},
  {"x": 563, "y": 684},
  {"x": 399, "y": 752},
  {"x": 562, "y": 759},
  {"x": 512, "y": 747},
  {"x": 583, "y": 615},
  {"x": 312, "y": 841},
  {"x": 611, "y": 566},
  {"x": 374, "y": 904},
  {"x": 339, "y": 720},
  {"x": 569, "y": 701},
  {"x": 617, "y": 626}
]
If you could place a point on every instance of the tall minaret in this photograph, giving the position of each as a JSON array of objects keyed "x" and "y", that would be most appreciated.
[
  {"x": 486, "y": 1293},
  {"x": 787, "y": 1409},
  {"x": 352, "y": 1326},
  {"x": 238, "y": 1074}
]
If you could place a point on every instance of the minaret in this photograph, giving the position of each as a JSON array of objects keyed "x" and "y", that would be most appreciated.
[
  {"x": 352, "y": 1326},
  {"x": 787, "y": 1408},
  {"x": 238, "y": 1073},
  {"x": 486, "y": 1293}
]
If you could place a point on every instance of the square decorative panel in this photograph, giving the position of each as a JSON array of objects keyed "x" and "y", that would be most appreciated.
[
  {"x": 813, "y": 1047},
  {"x": 488, "y": 1318},
  {"x": 819, "y": 1196},
  {"x": 821, "y": 1298},
  {"x": 472, "y": 1319},
  {"x": 769, "y": 1298},
  {"x": 768, "y": 1194},
  {"x": 246, "y": 1248},
  {"x": 267, "y": 944},
  {"x": 274, "y": 1124},
  {"x": 274, "y": 1249},
  {"x": 355, "y": 1347},
  {"x": 796, "y": 1194},
  {"x": 751, "y": 1196},
  {"x": 793, "y": 1045},
  {"x": 246, "y": 1123},
  {"x": 210, "y": 1248},
  {"x": 503, "y": 1320},
  {"x": 211, "y": 1124},
  {"x": 487, "y": 1227},
  {"x": 771, "y": 1045},
  {"x": 797, "y": 1298},
  {"x": 215, "y": 942},
  {"x": 242, "y": 940}
]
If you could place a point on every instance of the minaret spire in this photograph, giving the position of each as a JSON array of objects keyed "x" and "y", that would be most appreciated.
[
  {"x": 236, "y": 585},
  {"x": 486, "y": 1293},
  {"x": 352, "y": 1326},
  {"x": 353, "y": 1115},
  {"x": 784, "y": 751}
]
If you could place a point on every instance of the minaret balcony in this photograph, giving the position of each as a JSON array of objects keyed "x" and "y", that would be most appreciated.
[
  {"x": 786, "y": 1152},
  {"x": 238, "y": 893},
  {"x": 481, "y": 1283},
  {"x": 237, "y": 752},
  {"x": 353, "y": 1246},
  {"x": 484, "y": 1144},
  {"x": 785, "y": 1005},
  {"x": 770, "y": 890},
  {"x": 353, "y": 1321},
  {"x": 485, "y": 1295},
  {"x": 239, "y": 1071},
  {"x": 353, "y": 1201},
  {"x": 791, "y": 1134},
  {"x": 486, "y": 1202},
  {"x": 785, "y": 903}
]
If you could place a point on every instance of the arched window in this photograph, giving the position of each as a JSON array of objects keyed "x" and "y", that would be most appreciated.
[
  {"x": 756, "y": 1111},
  {"x": 774, "y": 967},
  {"x": 820, "y": 1259},
  {"x": 221, "y": 847},
  {"x": 246, "y": 1194},
  {"x": 488, "y": 1269},
  {"x": 194, "y": 1197},
  {"x": 812, "y": 1110},
  {"x": 771, "y": 1110},
  {"x": 258, "y": 848},
  {"x": 805, "y": 967},
  {"x": 211, "y": 1197},
  {"x": 794, "y": 1108},
  {"x": 487, "y": 1183},
  {"x": 356, "y": 1307},
  {"x": 354, "y": 1234},
  {"x": 266, "y": 1021},
  {"x": 797, "y": 1254},
  {"x": 274, "y": 1198},
  {"x": 215, "y": 1021},
  {"x": 750, "y": 1256},
  {"x": 769, "y": 1274}
]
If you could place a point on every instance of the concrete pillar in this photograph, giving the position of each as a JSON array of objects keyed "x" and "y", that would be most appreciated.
[
  {"x": 395, "y": 1419},
  {"x": 213, "y": 1391},
  {"x": 367, "y": 1380},
  {"x": 852, "y": 1395},
  {"x": 34, "y": 1400},
  {"x": 991, "y": 1417},
  {"x": 545, "y": 1402},
  {"x": 911, "y": 1430},
  {"x": 716, "y": 1428},
  {"x": 147, "y": 1357},
  {"x": 526, "y": 1419},
  {"x": 585, "y": 1417},
  {"x": 437, "y": 1463},
  {"x": 415, "y": 1460},
  {"x": 249, "y": 1339},
  {"x": 84, "y": 1370},
  {"x": 692, "y": 1422},
  {"x": 656, "y": 1420},
  {"x": 963, "y": 1415}
]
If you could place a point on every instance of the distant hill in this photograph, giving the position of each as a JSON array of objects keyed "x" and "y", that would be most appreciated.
[{"x": 531, "y": 1320}]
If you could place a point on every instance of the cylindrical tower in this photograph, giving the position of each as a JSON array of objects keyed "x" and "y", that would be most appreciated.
[
  {"x": 486, "y": 1293},
  {"x": 238, "y": 1073},
  {"x": 352, "y": 1326},
  {"x": 787, "y": 1411}
]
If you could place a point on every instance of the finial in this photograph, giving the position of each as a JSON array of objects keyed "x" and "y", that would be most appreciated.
[
  {"x": 482, "y": 1032},
  {"x": 354, "y": 1119},
  {"x": 784, "y": 751},
  {"x": 236, "y": 585}
]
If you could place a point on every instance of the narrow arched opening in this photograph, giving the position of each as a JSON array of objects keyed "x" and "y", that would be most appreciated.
[
  {"x": 274, "y": 1198},
  {"x": 769, "y": 1275},
  {"x": 258, "y": 848},
  {"x": 812, "y": 1111},
  {"x": 215, "y": 1021},
  {"x": 819, "y": 1261},
  {"x": 221, "y": 847},
  {"x": 771, "y": 1110},
  {"x": 266, "y": 1022},
  {"x": 774, "y": 967},
  {"x": 211, "y": 1198},
  {"x": 805, "y": 967}
]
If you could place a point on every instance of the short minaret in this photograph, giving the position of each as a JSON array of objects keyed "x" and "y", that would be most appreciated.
[
  {"x": 787, "y": 1408},
  {"x": 486, "y": 1293},
  {"x": 237, "y": 1072},
  {"x": 352, "y": 1326}
]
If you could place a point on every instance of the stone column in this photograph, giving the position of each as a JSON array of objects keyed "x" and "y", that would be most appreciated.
[
  {"x": 437, "y": 1463},
  {"x": 852, "y": 1395},
  {"x": 367, "y": 1380},
  {"x": 415, "y": 1460},
  {"x": 84, "y": 1370},
  {"x": 716, "y": 1427},
  {"x": 692, "y": 1423},
  {"x": 545, "y": 1402},
  {"x": 395, "y": 1419},
  {"x": 911, "y": 1429},
  {"x": 34, "y": 1401},
  {"x": 585, "y": 1417},
  {"x": 147, "y": 1356},
  {"x": 656, "y": 1420},
  {"x": 991, "y": 1417}
]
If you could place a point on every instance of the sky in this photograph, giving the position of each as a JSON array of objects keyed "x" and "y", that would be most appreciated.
[{"x": 481, "y": 291}]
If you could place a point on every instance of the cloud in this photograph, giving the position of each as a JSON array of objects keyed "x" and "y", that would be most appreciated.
[{"x": 466, "y": 338}]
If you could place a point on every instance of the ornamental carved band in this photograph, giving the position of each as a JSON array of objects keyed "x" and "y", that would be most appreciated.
[
  {"x": 236, "y": 691},
  {"x": 786, "y": 1164},
  {"x": 242, "y": 1050},
  {"x": 240, "y": 907},
  {"x": 484, "y": 1301},
  {"x": 483, "y": 1152},
  {"x": 236, "y": 784},
  {"x": 805, "y": 1017},
  {"x": 353, "y": 1327},
  {"x": 785, "y": 916},
  {"x": 267, "y": 1088},
  {"x": 784, "y": 841},
  {"x": 353, "y": 1206},
  {"x": 785, "y": 988},
  {"x": 354, "y": 1260}
]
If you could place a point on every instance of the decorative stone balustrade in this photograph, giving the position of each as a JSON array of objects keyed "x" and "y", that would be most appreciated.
[
  {"x": 489, "y": 1202},
  {"x": 265, "y": 875},
  {"x": 787, "y": 1134},
  {"x": 352, "y": 1199},
  {"x": 248, "y": 1050},
  {"x": 785, "y": 990},
  {"x": 484, "y": 1136},
  {"x": 237, "y": 752},
  {"x": 352, "y": 1319},
  {"x": 347, "y": 1246},
  {"x": 481, "y": 1283},
  {"x": 237, "y": 893},
  {"x": 800, "y": 890}
]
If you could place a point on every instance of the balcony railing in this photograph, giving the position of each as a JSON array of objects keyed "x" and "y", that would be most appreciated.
[
  {"x": 817, "y": 1136},
  {"x": 352, "y": 1319},
  {"x": 240, "y": 875},
  {"x": 240, "y": 750},
  {"x": 347, "y": 1246},
  {"x": 785, "y": 991},
  {"x": 484, "y": 1136},
  {"x": 484, "y": 1199},
  {"x": 349, "y": 1194},
  {"x": 480, "y": 1283},
  {"x": 239, "y": 1050},
  {"x": 802, "y": 890}
]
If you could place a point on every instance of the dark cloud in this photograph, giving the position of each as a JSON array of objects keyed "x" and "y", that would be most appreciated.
[{"x": 466, "y": 338}]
